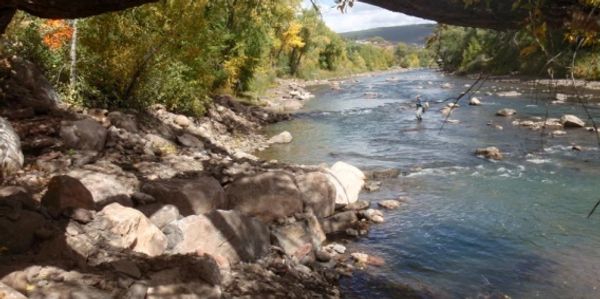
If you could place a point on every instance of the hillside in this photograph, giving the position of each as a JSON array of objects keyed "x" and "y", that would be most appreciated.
[{"x": 410, "y": 34}]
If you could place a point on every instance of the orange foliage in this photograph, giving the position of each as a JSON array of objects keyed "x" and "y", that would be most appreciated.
[{"x": 56, "y": 33}]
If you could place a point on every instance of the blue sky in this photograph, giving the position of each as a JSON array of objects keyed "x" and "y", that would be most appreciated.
[{"x": 362, "y": 16}]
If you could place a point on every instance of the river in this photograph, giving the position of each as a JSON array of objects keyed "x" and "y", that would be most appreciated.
[{"x": 472, "y": 228}]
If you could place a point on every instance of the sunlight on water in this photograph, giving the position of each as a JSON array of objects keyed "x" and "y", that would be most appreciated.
[{"x": 472, "y": 227}]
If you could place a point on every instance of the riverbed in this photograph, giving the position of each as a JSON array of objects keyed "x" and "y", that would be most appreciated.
[{"x": 471, "y": 227}]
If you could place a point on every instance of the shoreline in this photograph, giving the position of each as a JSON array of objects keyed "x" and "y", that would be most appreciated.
[{"x": 116, "y": 197}]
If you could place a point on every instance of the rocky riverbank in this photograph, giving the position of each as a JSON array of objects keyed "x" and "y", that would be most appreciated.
[{"x": 152, "y": 204}]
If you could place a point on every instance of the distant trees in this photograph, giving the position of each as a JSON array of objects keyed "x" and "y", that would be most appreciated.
[{"x": 179, "y": 52}]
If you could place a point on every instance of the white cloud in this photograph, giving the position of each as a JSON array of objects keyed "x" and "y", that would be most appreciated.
[{"x": 362, "y": 16}]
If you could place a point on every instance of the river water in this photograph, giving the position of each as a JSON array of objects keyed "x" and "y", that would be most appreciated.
[{"x": 472, "y": 228}]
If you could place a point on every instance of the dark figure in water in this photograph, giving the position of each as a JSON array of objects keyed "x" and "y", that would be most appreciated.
[{"x": 420, "y": 109}]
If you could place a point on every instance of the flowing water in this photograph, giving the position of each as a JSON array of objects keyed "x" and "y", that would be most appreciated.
[{"x": 472, "y": 228}]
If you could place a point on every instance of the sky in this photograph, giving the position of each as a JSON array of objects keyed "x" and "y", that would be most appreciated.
[{"x": 362, "y": 16}]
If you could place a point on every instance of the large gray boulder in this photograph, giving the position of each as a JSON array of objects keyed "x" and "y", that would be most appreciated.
[
  {"x": 228, "y": 236},
  {"x": 294, "y": 237},
  {"x": 11, "y": 157},
  {"x": 86, "y": 134},
  {"x": 279, "y": 194},
  {"x": 106, "y": 182},
  {"x": 191, "y": 196},
  {"x": 30, "y": 86}
]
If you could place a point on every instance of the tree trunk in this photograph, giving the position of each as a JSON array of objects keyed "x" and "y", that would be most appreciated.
[{"x": 73, "y": 54}]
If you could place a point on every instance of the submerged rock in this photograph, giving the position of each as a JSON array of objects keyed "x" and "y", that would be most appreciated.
[
  {"x": 474, "y": 101},
  {"x": 512, "y": 93},
  {"x": 283, "y": 137},
  {"x": 390, "y": 204},
  {"x": 506, "y": 112},
  {"x": 491, "y": 152}
]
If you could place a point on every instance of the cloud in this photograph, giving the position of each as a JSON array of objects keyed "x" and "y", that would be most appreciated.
[{"x": 362, "y": 16}]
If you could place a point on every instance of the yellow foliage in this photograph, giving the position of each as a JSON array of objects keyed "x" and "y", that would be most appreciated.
[{"x": 291, "y": 37}]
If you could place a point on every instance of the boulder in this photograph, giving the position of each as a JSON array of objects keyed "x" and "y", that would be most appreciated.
[
  {"x": 11, "y": 157},
  {"x": 191, "y": 196},
  {"x": 190, "y": 140},
  {"x": 318, "y": 193},
  {"x": 505, "y": 112},
  {"x": 283, "y": 137},
  {"x": 160, "y": 214},
  {"x": 372, "y": 215},
  {"x": 357, "y": 205},
  {"x": 474, "y": 101},
  {"x": 18, "y": 229},
  {"x": 65, "y": 192},
  {"x": 107, "y": 183},
  {"x": 33, "y": 88},
  {"x": 7, "y": 292},
  {"x": 491, "y": 152},
  {"x": 132, "y": 230},
  {"x": 571, "y": 121},
  {"x": 390, "y": 204},
  {"x": 159, "y": 145},
  {"x": 381, "y": 174},
  {"x": 348, "y": 181},
  {"x": 294, "y": 237},
  {"x": 228, "y": 236},
  {"x": 86, "y": 134},
  {"x": 372, "y": 186},
  {"x": 123, "y": 121},
  {"x": 339, "y": 222},
  {"x": 267, "y": 196},
  {"x": 182, "y": 121}
]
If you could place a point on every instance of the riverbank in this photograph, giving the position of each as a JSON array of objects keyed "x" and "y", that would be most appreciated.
[{"x": 112, "y": 204}]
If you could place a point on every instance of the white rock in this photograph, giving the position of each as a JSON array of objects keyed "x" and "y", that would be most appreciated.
[
  {"x": 348, "y": 181},
  {"x": 474, "y": 101},
  {"x": 283, "y": 137}
]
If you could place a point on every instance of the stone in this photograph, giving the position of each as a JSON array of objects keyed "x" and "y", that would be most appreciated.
[
  {"x": 348, "y": 181},
  {"x": 267, "y": 196},
  {"x": 86, "y": 134},
  {"x": 372, "y": 186},
  {"x": 505, "y": 112},
  {"x": 559, "y": 133},
  {"x": 527, "y": 123},
  {"x": 350, "y": 232},
  {"x": 192, "y": 196},
  {"x": 375, "y": 261},
  {"x": 318, "y": 193},
  {"x": 491, "y": 152},
  {"x": 228, "y": 236},
  {"x": 190, "y": 141},
  {"x": 561, "y": 97},
  {"x": 132, "y": 230},
  {"x": 182, "y": 121},
  {"x": 571, "y": 121},
  {"x": 123, "y": 121},
  {"x": 27, "y": 223},
  {"x": 358, "y": 205},
  {"x": 127, "y": 267},
  {"x": 37, "y": 91},
  {"x": 65, "y": 192},
  {"x": 389, "y": 204},
  {"x": 359, "y": 257},
  {"x": 293, "y": 237},
  {"x": 7, "y": 292},
  {"x": 107, "y": 183},
  {"x": 512, "y": 93},
  {"x": 159, "y": 145},
  {"x": 283, "y": 137},
  {"x": 335, "y": 248},
  {"x": 372, "y": 215},
  {"x": 339, "y": 222},
  {"x": 160, "y": 214},
  {"x": 382, "y": 174},
  {"x": 11, "y": 157},
  {"x": 322, "y": 256},
  {"x": 474, "y": 101}
]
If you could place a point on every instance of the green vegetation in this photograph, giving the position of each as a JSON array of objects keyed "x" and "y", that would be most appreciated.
[{"x": 179, "y": 52}]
